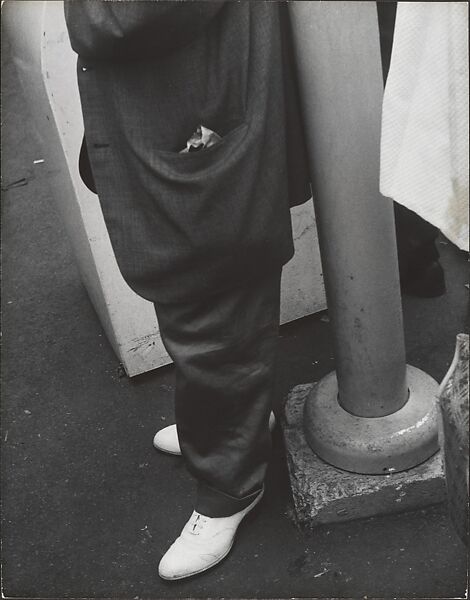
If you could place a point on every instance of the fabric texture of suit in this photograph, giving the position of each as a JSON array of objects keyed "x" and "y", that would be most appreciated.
[
  {"x": 203, "y": 235},
  {"x": 224, "y": 348},
  {"x": 190, "y": 225}
]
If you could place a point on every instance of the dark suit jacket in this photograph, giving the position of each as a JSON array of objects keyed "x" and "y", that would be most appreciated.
[{"x": 188, "y": 225}]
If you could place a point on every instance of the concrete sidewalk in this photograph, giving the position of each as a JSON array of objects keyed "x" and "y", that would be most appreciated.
[{"x": 89, "y": 506}]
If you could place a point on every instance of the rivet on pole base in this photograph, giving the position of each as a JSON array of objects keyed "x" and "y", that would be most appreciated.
[{"x": 374, "y": 446}]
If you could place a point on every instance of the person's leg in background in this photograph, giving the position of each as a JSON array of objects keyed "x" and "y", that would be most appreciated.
[
  {"x": 421, "y": 274},
  {"x": 224, "y": 350}
]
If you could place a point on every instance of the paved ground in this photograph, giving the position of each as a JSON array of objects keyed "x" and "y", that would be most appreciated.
[{"x": 88, "y": 505}]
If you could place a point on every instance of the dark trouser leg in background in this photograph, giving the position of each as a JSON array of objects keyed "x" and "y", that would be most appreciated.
[
  {"x": 418, "y": 258},
  {"x": 420, "y": 272},
  {"x": 224, "y": 350}
]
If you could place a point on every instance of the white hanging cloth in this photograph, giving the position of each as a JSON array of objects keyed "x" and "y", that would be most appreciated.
[{"x": 425, "y": 136}]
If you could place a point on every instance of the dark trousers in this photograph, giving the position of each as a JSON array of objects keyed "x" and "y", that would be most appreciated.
[{"x": 224, "y": 351}]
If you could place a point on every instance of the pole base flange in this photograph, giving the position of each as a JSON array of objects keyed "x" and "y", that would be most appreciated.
[{"x": 373, "y": 445}]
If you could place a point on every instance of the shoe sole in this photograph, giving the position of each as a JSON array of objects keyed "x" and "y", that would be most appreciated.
[
  {"x": 165, "y": 451},
  {"x": 246, "y": 511}
]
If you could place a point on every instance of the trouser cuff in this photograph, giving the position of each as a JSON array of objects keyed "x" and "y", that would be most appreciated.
[{"x": 213, "y": 503}]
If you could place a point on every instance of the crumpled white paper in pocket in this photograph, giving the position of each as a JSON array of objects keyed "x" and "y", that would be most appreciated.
[{"x": 203, "y": 137}]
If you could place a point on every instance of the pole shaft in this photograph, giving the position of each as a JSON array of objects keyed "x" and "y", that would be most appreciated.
[{"x": 338, "y": 57}]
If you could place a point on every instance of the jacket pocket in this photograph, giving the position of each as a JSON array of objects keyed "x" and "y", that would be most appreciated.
[
  {"x": 179, "y": 167},
  {"x": 204, "y": 203}
]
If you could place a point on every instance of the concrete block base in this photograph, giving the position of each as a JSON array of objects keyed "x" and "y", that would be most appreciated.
[{"x": 324, "y": 494}]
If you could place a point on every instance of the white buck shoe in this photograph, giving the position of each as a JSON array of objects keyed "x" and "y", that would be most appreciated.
[
  {"x": 166, "y": 440},
  {"x": 203, "y": 543}
]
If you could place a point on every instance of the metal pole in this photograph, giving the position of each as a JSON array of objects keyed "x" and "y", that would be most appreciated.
[{"x": 338, "y": 57}]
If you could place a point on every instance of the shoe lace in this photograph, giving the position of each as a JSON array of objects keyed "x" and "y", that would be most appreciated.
[{"x": 197, "y": 523}]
